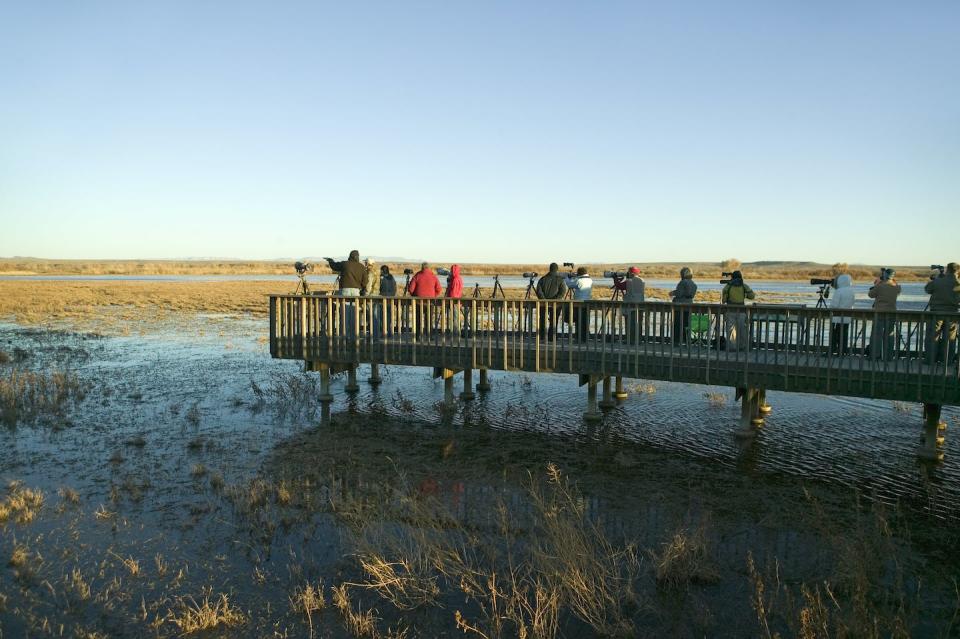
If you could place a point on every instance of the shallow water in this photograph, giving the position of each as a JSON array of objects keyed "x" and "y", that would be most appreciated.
[{"x": 663, "y": 458}]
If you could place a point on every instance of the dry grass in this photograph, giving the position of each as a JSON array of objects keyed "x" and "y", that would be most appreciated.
[
  {"x": 684, "y": 559},
  {"x": 194, "y": 617},
  {"x": 21, "y": 505},
  {"x": 705, "y": 270},
  {"x": 360, "y": 623},
  {"x": 27, "y": 396},
  {"x": 308, "y": 600}
]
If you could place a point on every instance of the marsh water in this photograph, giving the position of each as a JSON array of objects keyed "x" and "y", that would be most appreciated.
[{"x": 177, "y": 428}]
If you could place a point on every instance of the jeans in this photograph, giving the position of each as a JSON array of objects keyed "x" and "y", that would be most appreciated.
[
  {"x": 634, "y": 320},
  {"x": 681, "y": 327},
  {"x": 550, "y": 316},
  {"x": 737, "y": 336},
  {"x": 582, "y": 315},
  {"x": 349, "y": 312}
]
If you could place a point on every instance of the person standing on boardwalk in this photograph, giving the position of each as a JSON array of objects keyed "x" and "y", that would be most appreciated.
[
  {"x": 582, "y": 286},
  {"x": 371, "y": 288},
  {"x": 388, "y": 288},
  {"x": 352, "y": 275},
  {"x": 944, "y": 298},
  {"x": 884, "y": 294},
  {"x": 634, "y": 292},
  {"x": 735, "y": 295},
  {"x": 684, "y": 293},
  {"x": 842, "y": 298},
  {"x": 424, "y": 284},
  {"x": 551, "y": 286},
  {"x": 454, "y": 291}
]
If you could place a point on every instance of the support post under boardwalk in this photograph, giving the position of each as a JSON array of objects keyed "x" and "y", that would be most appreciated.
[
  {"x": 933, "y": 433},
  {"x": 607, "y": 402},
  {"x": 484, "y": 384},
  {"x": 764, "y": 407},
  {"x": 351, "y": 386},
  {"x": 374, "y": 378},
  {"x": 447, "y": 375},
  {"x": 467, "y": 393},
  {"x": 325, "y": 395},
  {"x": 592, "y": 413},
  {"x": 620, "y": 393},
  {"x": 750, "y": 419}
]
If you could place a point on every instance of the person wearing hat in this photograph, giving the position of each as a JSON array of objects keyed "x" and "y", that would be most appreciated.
[
  {"x": 884, "y": 294},
  {"x": 735, "y": 294},
  {"x": 684, "y": 293},
  {"x": 944, "y": 293},
  {"x": 633, "y": 293},
  {"x": 582, "y": 286}
]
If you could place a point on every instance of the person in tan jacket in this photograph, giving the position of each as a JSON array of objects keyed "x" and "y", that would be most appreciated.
[{"x": 884, "y": 294}]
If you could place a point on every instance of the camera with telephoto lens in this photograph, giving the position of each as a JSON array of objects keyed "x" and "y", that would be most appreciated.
[
  {"x": 303, "y": 267},
  {"x": 408, "y": 271},
  {"x": 615, "y": 275},
  {"x": 530, "y": 275},
  {"x": 887, "y": 274},
  {"x": 726, "y": 277},
  {"x": 936, "y": 267},
  {"x": 442, "y": 271},
  {"x": 816, "y": 281}
]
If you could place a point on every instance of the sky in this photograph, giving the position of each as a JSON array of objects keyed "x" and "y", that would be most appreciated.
[{"x": 481, "y": 131}]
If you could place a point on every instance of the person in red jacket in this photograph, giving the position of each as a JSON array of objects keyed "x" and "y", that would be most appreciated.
[
  {"x": 426, "y": 285},
  {"x": 454, "y": 291}
]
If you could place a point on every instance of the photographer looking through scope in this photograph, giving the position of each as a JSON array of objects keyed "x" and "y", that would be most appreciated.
[
  {"x": 944, "y": 293},
  {"x": 736, "y": 293},
  {"x": 551, "y": 286},
  {"x": 843, "y": 298}
]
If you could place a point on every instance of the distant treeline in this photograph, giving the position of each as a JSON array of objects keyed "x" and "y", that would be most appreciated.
[{"x": 701, "y": 270}]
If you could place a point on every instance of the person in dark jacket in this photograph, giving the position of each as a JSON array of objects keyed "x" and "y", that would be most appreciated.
[
  {"x": 388, "y": 288},
  {"x": 552, "y": 286},
  {"x": 424, "y": 284},
  {"x": 944, "y": 298},
  {"x": 352, "y": 275},
  {"x": 684, "y": 293},
  {"x": 884, "y": 293}
]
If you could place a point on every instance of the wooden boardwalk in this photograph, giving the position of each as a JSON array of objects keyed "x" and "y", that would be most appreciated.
[{"x": 796, "y": 349}]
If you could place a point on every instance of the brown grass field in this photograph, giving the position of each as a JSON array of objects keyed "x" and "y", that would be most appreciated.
[
  {"x": 702, "y": 270},
  {"x": 107, "y": 305}
]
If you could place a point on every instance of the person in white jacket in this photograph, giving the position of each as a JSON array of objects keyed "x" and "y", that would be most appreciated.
[
  {"x": 582, "y": 287},
  {"x": 842, "y": 298}
]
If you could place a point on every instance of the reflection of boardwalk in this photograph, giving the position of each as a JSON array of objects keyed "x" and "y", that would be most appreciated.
[{"x": 780, "y": 348}]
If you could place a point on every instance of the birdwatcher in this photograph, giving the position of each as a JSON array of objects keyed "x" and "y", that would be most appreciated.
[
  {"x": 884, "y": 294},
  {"x": 842, "y": 299},
  {"x": 582, "y": 286},
  {"x": 551, "y": 286},
  {"x": 371, "y": 278},
  {"x": 684, "y": 293},
  {"x": 634, "y": 289},
  {"x": 735, "y": 295},
  {"x": 424, "y": 284},
  {"x": 944, "y": 293},
  {"x": 352, "y": 274},
  {"x": 388, "y": 288}
]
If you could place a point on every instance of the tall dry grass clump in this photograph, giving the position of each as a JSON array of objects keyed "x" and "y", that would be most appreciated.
[
  {"x": 193, "y": 616},
  {"x": 21, "y": 504},
  {"x": 552, "y": 561},
  {"x": 26, "y": 396},
  {"x": 684, "y": 559}
]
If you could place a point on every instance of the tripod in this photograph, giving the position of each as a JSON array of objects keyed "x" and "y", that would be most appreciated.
[
  {"x": 531, "y": 290},
  {"x": 822, "y": 294},
  {"x": 617, "y": 294},
  {"x": 406, "y": 283},
  {"x": 497, "y": 287},
  {"x": 476, "y": 290},
  {"x": 303, "y": 288}
]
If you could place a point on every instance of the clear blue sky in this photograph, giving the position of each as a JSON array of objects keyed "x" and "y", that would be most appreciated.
[{"x": 482, "y": 131}]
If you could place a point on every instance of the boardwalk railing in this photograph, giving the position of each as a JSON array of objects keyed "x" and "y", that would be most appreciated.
[{"x": 904, "y": 355}]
